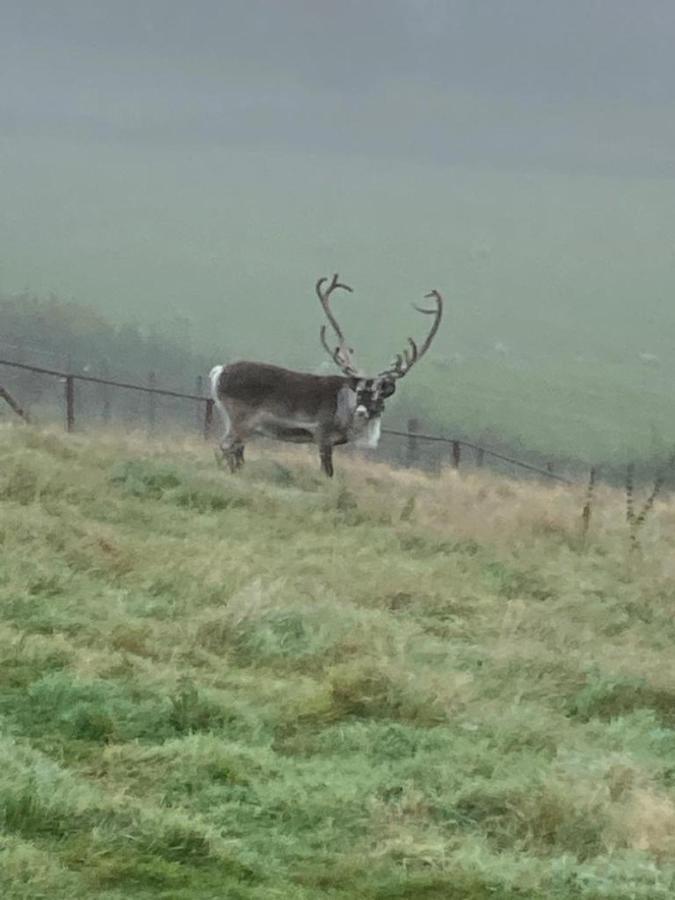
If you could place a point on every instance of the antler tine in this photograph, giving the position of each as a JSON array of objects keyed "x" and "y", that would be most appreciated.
[
  {"x": 324, "y": 298},
  {"x": 324, "y": 342},
  {"x": 410, "y": 355},
  {"x": 438, "y": 313},
  {"x": 431, "y": 312},
  {"x": 341, "y": 356},
  {"x": 403, "y": 364}
]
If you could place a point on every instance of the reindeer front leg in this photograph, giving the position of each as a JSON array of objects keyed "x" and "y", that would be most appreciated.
[
  {"x": 325, "y": 440},
  {"x": 326, "y": 453}
]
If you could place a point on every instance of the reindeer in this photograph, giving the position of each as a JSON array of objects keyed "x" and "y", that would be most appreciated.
[{"x": 298, "y": 407}]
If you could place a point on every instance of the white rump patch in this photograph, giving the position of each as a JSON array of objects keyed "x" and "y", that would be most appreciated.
[{"x": 214, "y": 375}]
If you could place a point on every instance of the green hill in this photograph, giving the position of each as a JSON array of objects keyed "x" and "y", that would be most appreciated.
[{"x": 390, "y": 686}]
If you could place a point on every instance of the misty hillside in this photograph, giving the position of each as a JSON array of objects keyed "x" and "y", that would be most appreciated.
[
  {"x": 208, "y": 164},
  {"x": 390, "y": 686},
  {"x": 558, "y": 318}
]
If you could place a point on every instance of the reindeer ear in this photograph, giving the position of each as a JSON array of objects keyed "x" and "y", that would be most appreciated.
[{"x": 387, "y": 388}]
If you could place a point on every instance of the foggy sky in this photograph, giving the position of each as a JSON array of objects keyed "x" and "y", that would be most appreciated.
[{"x": 562, "y": 84}]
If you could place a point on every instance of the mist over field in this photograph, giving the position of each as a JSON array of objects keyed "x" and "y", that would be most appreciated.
[{"x": 209, "y": 163}]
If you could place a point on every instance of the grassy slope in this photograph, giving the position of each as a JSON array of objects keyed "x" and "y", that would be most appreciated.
[{"x": 267, "y": 686}]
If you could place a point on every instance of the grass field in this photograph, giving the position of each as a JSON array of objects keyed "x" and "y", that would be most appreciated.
[{"x": 390, "y": 686}]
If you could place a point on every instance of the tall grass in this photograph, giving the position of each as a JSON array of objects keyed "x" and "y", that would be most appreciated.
[{"x": 393, "y": 686}]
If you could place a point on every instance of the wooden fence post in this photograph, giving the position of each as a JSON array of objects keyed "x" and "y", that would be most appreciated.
[
  {"x": 412, "y": 455},
  {"x": 199, "y": 391},
  {"x": 152, "y": 402},
  {"x": 480, "y": 456},
  {"x": 456, "y": 454},
  {"x": 70, "y": 403},
  {"x": 208, "y": 419},
  {"x": 11, "y": 402},
  {"x": 588, "y": 504},
  {"x": 630, "y": 505},
  {"x": 105, "y": 389}
]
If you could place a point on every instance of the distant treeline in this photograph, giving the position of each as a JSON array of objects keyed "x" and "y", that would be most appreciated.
[
  {"x": 63, "y": 334},
  {"x": 72, "y": 337}
]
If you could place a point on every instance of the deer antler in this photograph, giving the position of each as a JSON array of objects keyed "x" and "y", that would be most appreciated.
[
  {"x": 342, "y": 354},
  {"x": 403, "y": 362}
]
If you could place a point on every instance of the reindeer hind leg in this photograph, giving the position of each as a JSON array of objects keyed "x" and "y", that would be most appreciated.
[
  {"x": 232, "y": 444},
  {"x": 232, "y": 452}
]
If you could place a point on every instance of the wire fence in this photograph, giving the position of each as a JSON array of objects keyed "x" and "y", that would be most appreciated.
[{"x": 83, "y": 397}]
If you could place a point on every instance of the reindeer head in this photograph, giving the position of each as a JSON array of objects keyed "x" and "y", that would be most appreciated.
[{"x": 372, "y": 392}]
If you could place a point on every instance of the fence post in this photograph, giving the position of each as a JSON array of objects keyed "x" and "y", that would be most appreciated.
[
  {"x": 456, "y": 454},
  {"x": 70, "y": 403},
  {"x": 480, "y": 456},
  {"x": 5, "y": 395},
  {"x": 413, "y": 445},
  {"x": 199, "y": 391},
  {"x": 588, "y": 504},
  {"x": 208, "y": 419},
  {"x": 105, "y": 389},
  {"x": 152, "y": 403}
]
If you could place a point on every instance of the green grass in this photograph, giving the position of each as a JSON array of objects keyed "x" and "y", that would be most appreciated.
[{"x": 390, "y": 686}]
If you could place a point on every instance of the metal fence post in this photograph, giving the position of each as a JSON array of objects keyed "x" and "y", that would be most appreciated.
[
  {"x": 456, "y": 454},
  {"x": 480, "y": 456}
]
